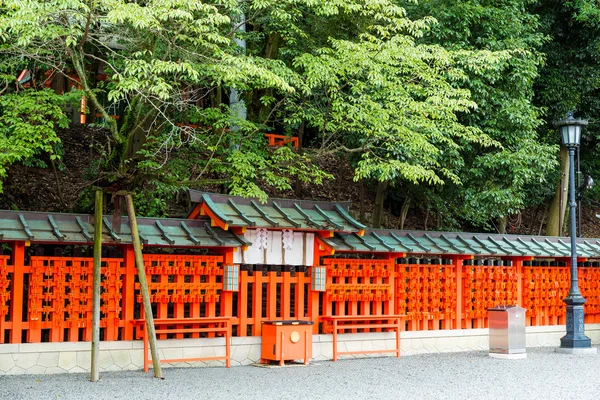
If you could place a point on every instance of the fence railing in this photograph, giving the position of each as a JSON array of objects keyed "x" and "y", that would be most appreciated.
[{"x": 49, "y": 300}]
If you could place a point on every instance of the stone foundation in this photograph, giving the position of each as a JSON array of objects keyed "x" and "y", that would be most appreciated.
[{"x": 56, "y": 358}]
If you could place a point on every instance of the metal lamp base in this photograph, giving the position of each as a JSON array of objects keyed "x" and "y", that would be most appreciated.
[
  {"x": 581, "y": 342},
  {"x": 575, "y": 337}
]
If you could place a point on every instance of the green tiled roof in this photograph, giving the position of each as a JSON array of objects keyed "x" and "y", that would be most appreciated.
[
  {"x": 444, "y": 243},
  {"x": 279, "y": 213},
  {"x": 79, "y": 228}
]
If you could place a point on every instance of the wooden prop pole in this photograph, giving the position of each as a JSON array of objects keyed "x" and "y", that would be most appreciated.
[
  {"x": 139, "y": 262},
  {"x": 95, "y": 367}
]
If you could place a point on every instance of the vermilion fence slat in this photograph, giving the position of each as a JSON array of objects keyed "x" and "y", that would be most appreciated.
[{"x": 5, "y": 271}]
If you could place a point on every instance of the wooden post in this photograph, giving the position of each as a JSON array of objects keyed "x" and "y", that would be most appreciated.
[
  {"x": 299, "y": 308},
  {"x": 257, "y": 300},
  {"x": 95, "y": 368},
  {"x": 16, "y": 316},
  {"x": 286, "y": 292},
  {"x": 139, "y": 261},
  {"x": 227, "y": 297},
  {"x": 128, "y": 299},
  {"x": 271, "y": 294},
  {"x": 313, "y": 297},
  {"x": 458, "y": 267},
  {"x": 243, "y": 301}
]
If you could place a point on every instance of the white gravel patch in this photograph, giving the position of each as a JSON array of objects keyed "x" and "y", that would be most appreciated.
[{"x": 472, "y": 375}]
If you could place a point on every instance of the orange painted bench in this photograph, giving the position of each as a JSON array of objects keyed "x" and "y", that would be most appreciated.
[
  {"x": 366, "y": 322},
  {"x": 219, "y": 325}
]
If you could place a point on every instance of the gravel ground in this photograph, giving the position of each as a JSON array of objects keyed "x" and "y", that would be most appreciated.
[{"x": 473, "y": 375}]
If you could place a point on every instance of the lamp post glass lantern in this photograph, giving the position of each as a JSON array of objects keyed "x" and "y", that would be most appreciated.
[{"x": 570, "y": 131}]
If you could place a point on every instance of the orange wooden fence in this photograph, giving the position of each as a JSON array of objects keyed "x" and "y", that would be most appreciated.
[
  {"x": 269, "y": 293},
  {"x": 485, "y": 287},
  {"x": 60, "y": 298},
  {"x": 357, "y": 287},
  {"x": 183, "y": 286},
  {"x": 49, "y": 298},
  {"x": 546, "y": 287},
  {"x": 426, "y": 294}
]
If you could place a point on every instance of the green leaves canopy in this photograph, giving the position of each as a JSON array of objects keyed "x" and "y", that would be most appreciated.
[
  {"x": 497, "y": 181},
  {"x": 28, "y": 123},
  {"x": 414, "y": 100}
]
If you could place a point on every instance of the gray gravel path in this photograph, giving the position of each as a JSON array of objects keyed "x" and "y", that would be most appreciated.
[{"x": 474, "y": 375}]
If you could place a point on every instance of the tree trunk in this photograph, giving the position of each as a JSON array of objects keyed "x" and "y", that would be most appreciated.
[
  {"x": 543, "y": 219},
  {"x": 78, "y": 63},
  {"x": 361, "y": 189},
  {"x": 379, "y": 199},
  {"x": 58, "y": 187},
  {"x": 137, "y": 135},
  {"x": 237, "y": 105},
  {"x": 559, "y": 203},
  {"x": 97, "y": 277},
  {"x": 298, "y": 182},
  {"x": 93, "y": 84},
  {"x": 404, "y": 212},
  {"x": 502, "y": 221},
  {"x": 58, "y": 83},
  {"x": 216, "y": 97},
  {"x": 271, "y": 53},
  {"x": 535, "y": 218},
  {"x": 139, "y": 262}
]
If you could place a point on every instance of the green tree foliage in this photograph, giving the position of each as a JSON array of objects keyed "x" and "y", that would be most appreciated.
[
  {"x": 497, "y": 181},
  {"x": 393, "y": 100},
  {"x": 153, "y": 52},
  {"x": 373, "y": 91},
  {"x": 433, "y": 98},
  {"x": 390, "y": 95},
  {"x": 570, "y": 81},
  {"x": 570, "y": 78},
  {"x": 28, "y": 124}
]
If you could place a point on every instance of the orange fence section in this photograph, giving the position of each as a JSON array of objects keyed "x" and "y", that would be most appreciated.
[
  {"x": 269, "y": 293},
  {"x": 60, "y": 298},
  {"x": 357, "y": 287},
  {"x": 183, "y": 286},
  {"x": 589, "y": 283},
  {"x": 426, "y": 294},
  {"x": 486, "y": 287},
  {"x": 544, "y": 289},
  {"x": 49, "y": 298}
]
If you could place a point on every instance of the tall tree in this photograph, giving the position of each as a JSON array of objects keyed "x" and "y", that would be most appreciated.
[
  {"x": 153, "y": 52},
  {"x": 374, "y": 91},
  {"x": 570, "y": 81},
  {"x": 496, "y": 181}
]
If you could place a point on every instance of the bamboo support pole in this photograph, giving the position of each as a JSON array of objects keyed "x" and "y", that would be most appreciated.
[
  {"x": 139, "y": 261},
  {"x": 95, "y": 367}
]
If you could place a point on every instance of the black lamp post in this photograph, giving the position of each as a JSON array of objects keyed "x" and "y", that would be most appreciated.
[{"x": 575, "y": 339}]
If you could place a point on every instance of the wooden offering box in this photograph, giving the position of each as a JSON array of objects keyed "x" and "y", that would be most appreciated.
[{"x": 286, "y": 341}]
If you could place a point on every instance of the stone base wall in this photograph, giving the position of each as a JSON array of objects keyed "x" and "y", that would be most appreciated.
[{"x": 56, "y": 358}]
